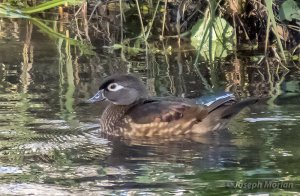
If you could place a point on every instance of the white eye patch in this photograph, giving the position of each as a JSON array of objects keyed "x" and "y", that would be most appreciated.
[{"x": 114, "y": 87}]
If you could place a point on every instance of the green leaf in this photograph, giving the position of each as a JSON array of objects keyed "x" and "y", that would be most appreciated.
[
  {"x": 48, "y": 5},
  {"x": 11, "y": 12},
  {"x": 289, "y": 10},
  {"x": 85, "y": 48},
  {"x": 14, "y": 12},
  {"x": 214, "y": 36}
]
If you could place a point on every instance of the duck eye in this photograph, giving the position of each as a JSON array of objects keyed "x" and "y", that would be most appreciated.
[{"x": 114, "y": 87}]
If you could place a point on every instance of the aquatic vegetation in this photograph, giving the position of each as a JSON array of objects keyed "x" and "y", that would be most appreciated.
[
  {"x": 8, "y": 10},
  {"x": 245, "y": 24},
  {"x": 215, "y": 28}
]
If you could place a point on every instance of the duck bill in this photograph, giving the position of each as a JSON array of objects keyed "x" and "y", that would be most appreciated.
[{"x": 97, "y": 97}]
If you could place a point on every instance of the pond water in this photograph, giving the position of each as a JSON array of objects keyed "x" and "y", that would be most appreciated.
[{"x": 51, "y": 144}]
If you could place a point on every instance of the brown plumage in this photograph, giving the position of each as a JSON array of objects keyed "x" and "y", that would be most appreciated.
[{"x": 131, "y": 113}]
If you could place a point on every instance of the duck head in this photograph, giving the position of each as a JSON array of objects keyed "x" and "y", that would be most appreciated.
[{"x": 124, "y": 89}]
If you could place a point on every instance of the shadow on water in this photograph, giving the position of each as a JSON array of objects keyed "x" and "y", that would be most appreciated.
[{"x": 51, "y": 144}]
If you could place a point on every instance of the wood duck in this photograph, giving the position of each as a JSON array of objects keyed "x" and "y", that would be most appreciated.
[{"x": 131, "y": 113}]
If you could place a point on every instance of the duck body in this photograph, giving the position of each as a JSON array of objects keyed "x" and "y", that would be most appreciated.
[{"x": 132, "y": 113}]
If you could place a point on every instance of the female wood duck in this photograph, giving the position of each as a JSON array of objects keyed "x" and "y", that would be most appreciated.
[{"x": 132, "y": 113}]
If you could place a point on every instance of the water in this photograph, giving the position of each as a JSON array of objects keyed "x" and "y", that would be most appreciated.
[{"x": 51, "y": 143}]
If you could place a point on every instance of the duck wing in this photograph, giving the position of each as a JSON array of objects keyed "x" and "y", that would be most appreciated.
[
  {"x": 166, "y": 111},
  {"x": 229, "y": 107}
]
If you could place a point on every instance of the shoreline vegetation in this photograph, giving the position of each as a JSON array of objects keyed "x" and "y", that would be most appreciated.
[{"x": 213, "y": 28}]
